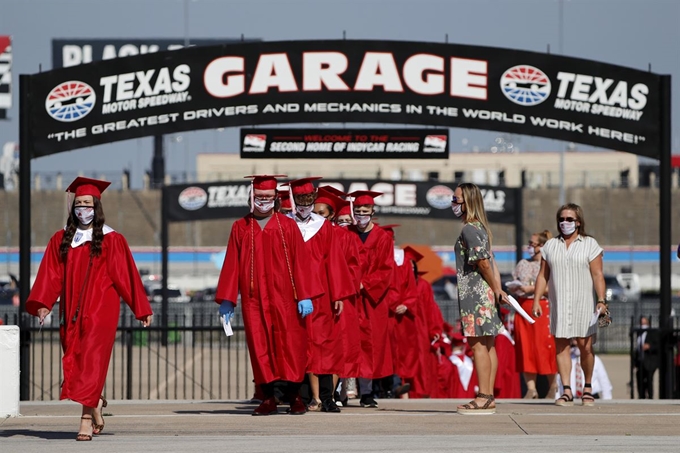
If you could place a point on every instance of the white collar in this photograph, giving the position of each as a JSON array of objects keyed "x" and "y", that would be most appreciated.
[
  {"x": 308, "y": 227},
  {"x": 399, "y": 256},
  {"x": 83, "y": 236}
]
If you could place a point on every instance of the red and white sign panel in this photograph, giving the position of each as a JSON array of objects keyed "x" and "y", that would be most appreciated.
[
  {"x": 5, "y": 75},
  {"x": 344, "y": 143}
]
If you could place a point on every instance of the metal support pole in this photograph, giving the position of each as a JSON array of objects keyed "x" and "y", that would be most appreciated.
[
  {"x": 158, "y": 163},
  {"x": 519, "y": 223},
  {"x": 666, "y": 367},
  {"x": 25, "y": 155},
  {"x": 164, "y": 264}
]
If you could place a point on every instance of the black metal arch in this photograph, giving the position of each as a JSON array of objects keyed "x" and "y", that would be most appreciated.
[{"x": 348, "y": 81}]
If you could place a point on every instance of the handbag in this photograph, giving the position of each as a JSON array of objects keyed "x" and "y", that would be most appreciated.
[{"x": 605, "y": 319}]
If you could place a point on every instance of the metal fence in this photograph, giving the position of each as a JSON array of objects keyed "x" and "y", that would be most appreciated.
[{"x": 191, "y": 357}]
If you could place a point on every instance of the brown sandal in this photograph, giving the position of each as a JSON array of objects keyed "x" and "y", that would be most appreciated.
[
  {"x": 473, "y": 408},
  {"x": 587, "y": 399},
  {"x": 83, "y": 436},
  {"x": 98, "y": 428},
  {"x": 565, "y": 400}
]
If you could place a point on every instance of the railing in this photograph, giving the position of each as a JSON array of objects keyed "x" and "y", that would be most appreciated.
[{"x": 192, "y": 358}]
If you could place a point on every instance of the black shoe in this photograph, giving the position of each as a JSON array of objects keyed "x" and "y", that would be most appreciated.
[
  {"x": 367, "y": 401},
  {"x": 404, "y": 388},
  {"x": 329, "y": 406}
]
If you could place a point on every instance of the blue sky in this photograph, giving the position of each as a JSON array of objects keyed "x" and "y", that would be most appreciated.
[{"x": 632, "y": 33}]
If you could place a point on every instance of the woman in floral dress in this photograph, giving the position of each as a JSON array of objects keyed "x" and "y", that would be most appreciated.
[{"x": 479, "y": 289}]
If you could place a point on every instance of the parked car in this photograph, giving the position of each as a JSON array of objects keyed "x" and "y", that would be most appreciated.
[
  {"x": 155, "y": 294},
  {"x": 204, "y": 295},
  {"x": 446, "y": 287},
  {"x": 622, "y": 288}
]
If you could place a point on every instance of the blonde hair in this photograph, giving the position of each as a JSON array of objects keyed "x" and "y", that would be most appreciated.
[
  {"x": 474, "y": 207},
  {"x": 543, "y": 236}
]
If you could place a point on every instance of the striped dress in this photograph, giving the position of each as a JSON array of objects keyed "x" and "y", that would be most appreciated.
[{"x": 571, "y": 286}]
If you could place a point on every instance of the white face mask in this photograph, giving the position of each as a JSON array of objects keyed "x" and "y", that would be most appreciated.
[
  {"x": 264, "y": 206},
  {"x": 567, "y": 228},
  {"x": 85, "y": 214},
  {"x": 304, "y": 211},
  {"x": 362, "y": 220},
  {"x": 457, "y": 209},
  {"x": 644, "y": 327},
  {"x": 343, "y": 224}
]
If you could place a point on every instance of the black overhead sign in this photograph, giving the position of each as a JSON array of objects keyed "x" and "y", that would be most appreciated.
[
  {"x": 345, "y": 81},
  {"x": 345, "y": 143},
  {"x": 73, "y": 52},
  {"x": 229, "y": 199}
]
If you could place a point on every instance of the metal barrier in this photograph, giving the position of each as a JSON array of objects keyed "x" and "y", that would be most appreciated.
[
  {"x": 198, "y": 361},
  {"x": 191, "y": 358}
]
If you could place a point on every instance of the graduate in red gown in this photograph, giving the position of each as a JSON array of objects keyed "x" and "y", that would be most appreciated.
[
  {"x": 89, "y": 267},
  {"x": 377, "y": 258},
  {"x": 330, "y": 205},
  {"x": 435, "y": 322},
  {"x": 332, "y": 199},
  {"x": 267, "y": 264},
  {"x": 324, "y": 251},
  {"x": 285, "y": 206},
  {"x": 408, "y": 335},
  {"x": 463, "y": 383},
  {"x": 507, "y": 384}
]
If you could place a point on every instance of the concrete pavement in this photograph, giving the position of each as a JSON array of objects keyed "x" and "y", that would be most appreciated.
[{"x": 397, "y": 426}]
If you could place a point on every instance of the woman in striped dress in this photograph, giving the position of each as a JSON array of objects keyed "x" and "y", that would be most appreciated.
[{"x": 571, "y": 267}]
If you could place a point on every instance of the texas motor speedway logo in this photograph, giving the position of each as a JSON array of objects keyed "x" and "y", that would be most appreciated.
[{"x": 70, "y": 101}]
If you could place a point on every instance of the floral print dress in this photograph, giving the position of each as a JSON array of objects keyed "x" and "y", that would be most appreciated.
[{"x": 478, "y": 313}]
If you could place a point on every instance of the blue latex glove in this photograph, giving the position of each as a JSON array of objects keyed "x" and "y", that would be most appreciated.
[
  {"x": 305, "y": 307},
  {"x": 227, "y": 309}
]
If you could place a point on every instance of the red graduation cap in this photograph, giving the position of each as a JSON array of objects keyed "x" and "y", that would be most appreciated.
[
  {"x": 285, "y": 202},
  {"x": 334, "y": 191},
  {"x": 364, "y": 197},
  {"x": 412, "y": 254},
  {"x": 324, "y": 196},
  {"x": 303, "y": 185},
  {"x": 344, "y": 209},
  {"x": 457, "y": 339},
  {"x": 389, "y": 228},
  {"x": 264, "y": 182},
  {"x": 88, "y": 186},
  {"x": 261, "y": 182}
]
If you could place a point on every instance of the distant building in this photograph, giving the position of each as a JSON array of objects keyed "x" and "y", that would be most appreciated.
[{"x": 529, "y": 169}]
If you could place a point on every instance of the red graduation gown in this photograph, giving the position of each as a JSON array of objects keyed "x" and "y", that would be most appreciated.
[
  {"x": 326, "y": 352},
  {"x": 435, "y": 324},
  {"x": 406, "y": 346},
  {"x": 87, "y": 343},
  {"x": 349, "y": 321},
  {"x": 377, "y": 258},
  {"x": 457, "y": 390},
  {"x": 507, "y": 383},
  {"x": 275, "y": 332}
]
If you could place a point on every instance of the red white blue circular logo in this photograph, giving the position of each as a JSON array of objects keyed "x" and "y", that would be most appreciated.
[
  {"x": 70, "y": 101},
  {"x": 439, "y": 197},
  {"x": 192, "y": 198},
  {"x": 525, "y": 85}
]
